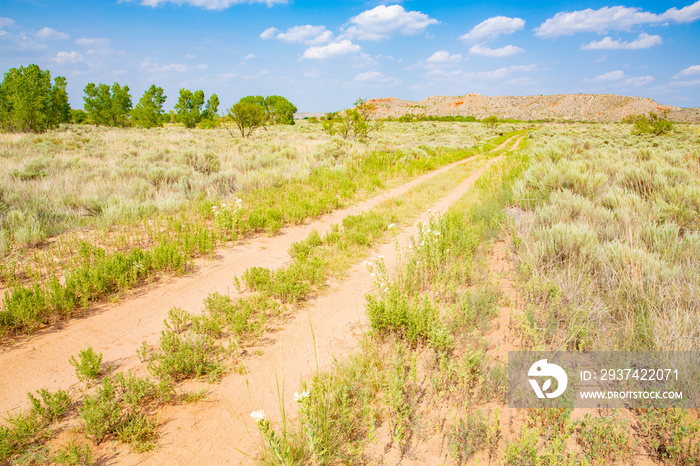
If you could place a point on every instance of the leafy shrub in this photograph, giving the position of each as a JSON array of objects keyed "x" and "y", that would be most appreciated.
[
  {"x": 88, "y": 367},
  {"x": 52, "y": 405},
  {"x": 118, "y": 407},
  {"x": 181, "y": 357},
  {"x": 651, "y": 124}
]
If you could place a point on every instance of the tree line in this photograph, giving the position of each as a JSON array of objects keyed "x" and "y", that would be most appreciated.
[{"x": 31, "y": 102}]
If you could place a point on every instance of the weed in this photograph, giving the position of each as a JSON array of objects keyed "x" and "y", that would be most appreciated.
[
  {"x": 604, "y": 439},
  {"x": 472, "y": 433},
  {"x": 117, "y": 408},
  {"x": 88, "y": 368},
  {"x": 189, "y": 356},
  {"x": 52, "y": 405},
  {"x": 193, "y": 396},
  {"x": 671, "y": 435},
  {"x": 73, "y": 453}
]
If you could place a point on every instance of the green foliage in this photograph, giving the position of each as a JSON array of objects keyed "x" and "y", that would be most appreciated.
[
  {"x": 22, "y": 430},
  {"x": 185, "y": 356},
  {"x": 280, "y": 110},
  {"x": 491, "y": 121},
  {"x": 604, "y": 439},
  {"x": 118, "y": 408},
  {"x": 672, "y": 435},
  {"x": 352, "y": 123},
  {"x": 107, "y": 106},
  {"x": 472, "y": 433},
  {"x": 148, "y": 113},
  {"x": 52, "y": 405},
  {"x": 88, "y": 367},
  {"x": 416, "y": 321},
  {"x": 412, "y": 117},
  {"x": 74, "y": 454},
  {"x": 189, "y": 107},
  {"x": 78, "y": 116},
  {"x": 652, "y": 124},
  {"x": 29, "y": 103},
  {"x": 248, "y": 113},
  {"x": 203, "y": 162}
]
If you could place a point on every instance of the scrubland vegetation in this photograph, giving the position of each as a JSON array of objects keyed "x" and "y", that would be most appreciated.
[
  {"x": 602, "y": 225},
  {"x": 604, "y": 229},
  {"x": 151, "y": 201}
]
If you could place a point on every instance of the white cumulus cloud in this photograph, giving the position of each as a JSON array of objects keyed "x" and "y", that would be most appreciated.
[
  {"x": 690, "y": 71},
  {"x": 334, "y": 49},
  {"x": 644, "y": 41},
  {"x": 443, "y": 56},
  {"x": 51, "y": 34},
  {"x": 507, "y": 51},
  {"x": 98, "y": 46},
  {"x": 610, "y": 76},
  {"x": 307, "y": 34},
  {"x": 638, "y": 81},
  {"x": 616, "y": 18},
  {"x": 374, "y": 77},
  {"x": 68, "y": 57},
  {"x": 382, "y": 22},
  {"x": 5, "y": 22},
  {"x": 494, "y": 27}
]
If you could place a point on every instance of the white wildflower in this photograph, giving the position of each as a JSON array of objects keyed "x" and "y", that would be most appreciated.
[
  {"x": 391, "y": 225},
  {"x": 436, "y": 233},
  {"x": 258, "y": 415},
  {"x": 300, "y": 397}
]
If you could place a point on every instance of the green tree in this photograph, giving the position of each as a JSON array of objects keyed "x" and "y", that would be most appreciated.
[
  {"x": 353, "y": 123},
  {"x": 148, "y": 113},
  {"x": 107, "y": 106},
  {"x": 28, "y": 101},
  {"x": 490, "y": 121},
  {"x": 189, "y": 107},
  {"x": 248, "y": 114},
  {"x": 211, "y": 108},
  {"x": 280, "y": 110},
  {"x": 653, "y": 124},
  {"x": 121, "y": 105}
]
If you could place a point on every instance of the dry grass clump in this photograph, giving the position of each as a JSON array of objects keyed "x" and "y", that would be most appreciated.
[{"x": 612, "y": 246}]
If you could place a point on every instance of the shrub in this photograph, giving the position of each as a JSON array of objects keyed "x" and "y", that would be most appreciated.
[{"x": 88, "y": 367}]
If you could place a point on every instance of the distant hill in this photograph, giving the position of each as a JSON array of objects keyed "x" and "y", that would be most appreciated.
[{"x": 576, "y": 107}]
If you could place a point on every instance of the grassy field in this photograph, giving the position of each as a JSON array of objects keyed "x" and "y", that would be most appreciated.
[
  {"x": 601, "y": 228},
  {"x": 150, "y": 201}
]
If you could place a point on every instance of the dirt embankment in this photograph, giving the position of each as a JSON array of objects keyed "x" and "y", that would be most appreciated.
[{"x": 574, "y": 107}]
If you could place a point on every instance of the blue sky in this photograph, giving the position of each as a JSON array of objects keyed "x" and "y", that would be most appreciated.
[{"x": 324, "y": 55}]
